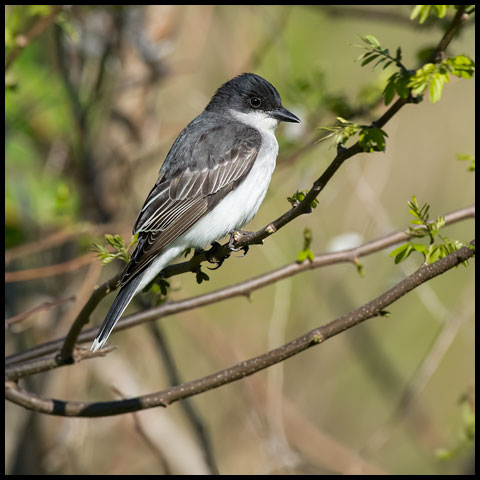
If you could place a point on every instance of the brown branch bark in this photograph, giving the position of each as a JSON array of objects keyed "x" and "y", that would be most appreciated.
[
  {"x": 46, "y": 356},
  {"x": 374, "y": 308},
  {"x": 44, "y": 306},
  {"x": 50, "y": 270},
  {"x": 460, "y": 17},
  {"x": 61, "y": 237}
]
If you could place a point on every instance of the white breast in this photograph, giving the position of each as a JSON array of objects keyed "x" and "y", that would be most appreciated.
[{"x": 240, "y": 205}]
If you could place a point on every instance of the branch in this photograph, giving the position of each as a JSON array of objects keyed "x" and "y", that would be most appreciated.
[
  {"x": 372, "y": 309},
  {"x": 44, "y": 357},
  {"x": 59, "y": 238},
  {"x": 460, "y": 17},
  {"x": 44, "y": 306},
  {"x": 66, "y": 354},
  {"x": 50, "y": 270},
  {"x": 36, "y": 29}
]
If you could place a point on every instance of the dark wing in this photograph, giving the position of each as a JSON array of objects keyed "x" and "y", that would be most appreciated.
[{"x": 205, "y": 171}]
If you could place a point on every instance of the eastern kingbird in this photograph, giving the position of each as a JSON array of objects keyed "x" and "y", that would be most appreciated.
[{"x": 212, "y": 183}]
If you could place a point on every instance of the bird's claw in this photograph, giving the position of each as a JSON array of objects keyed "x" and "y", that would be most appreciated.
[
  {"x": 235, "y": 236},
  {"x": 245, "y": 250},
  {"x": 211, "y": 257}
]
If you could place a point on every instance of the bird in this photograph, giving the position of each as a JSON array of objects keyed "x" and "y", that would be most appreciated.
[{"x": 211, "y": 183}]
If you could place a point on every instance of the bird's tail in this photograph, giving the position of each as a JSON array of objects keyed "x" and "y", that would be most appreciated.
[{"x": 118, "y": 307}]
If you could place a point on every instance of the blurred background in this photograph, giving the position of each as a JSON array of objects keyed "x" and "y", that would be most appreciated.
[{"x": 92, "y": 106}]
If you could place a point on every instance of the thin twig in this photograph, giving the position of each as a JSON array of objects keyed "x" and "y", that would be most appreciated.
[
  {"x": 59, "y": 238},
  {"x": 35, "y": 30},
  {"x": 44, "y": 306},
  {"x": 460, "y": 17},
  {"x": 66, "y": 354},
  {"x": 50, "y": 270}
]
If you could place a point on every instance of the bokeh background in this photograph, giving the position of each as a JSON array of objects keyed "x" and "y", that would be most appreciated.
[{"x": 91, "y": 108}]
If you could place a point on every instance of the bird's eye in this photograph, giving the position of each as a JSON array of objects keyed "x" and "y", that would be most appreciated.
[{"x": 255, "y": 102}]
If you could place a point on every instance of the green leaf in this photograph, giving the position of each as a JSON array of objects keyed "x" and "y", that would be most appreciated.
[
  {"x": 423, "y": 12},
  {"x": 368, "y": 60},
  {"x": 371, "y": 40},
  {"x": 163, "y": 285},
  {"x": 436, "y": 87},
  {"x": 444, "y": 454},
  {"x": 390, "y": 89},
  {"x": 435, "y": 76},
  {"x": 115, "y": 241},
  {"x": 372, "y": 139},
  {"x": 419, "y": 247},
  {"x": 416, "y": 11},
  {"x": 434, "y": 253},
  {"x": 401, "y": 84},
  {"x": 299, "y": 196},
  {"x": 401, "y": 253},
  {"x": 342, "y": 131},
  {"x": 304, "y": 255},
  {"x": 461, "y": 66},
  {"x": 307, "y": 238},
  {"x": 440, "y": 10},
  {"x": 360, "y": 268}
]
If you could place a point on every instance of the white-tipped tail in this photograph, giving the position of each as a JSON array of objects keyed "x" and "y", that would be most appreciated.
[{"x": 124, "y": 297}]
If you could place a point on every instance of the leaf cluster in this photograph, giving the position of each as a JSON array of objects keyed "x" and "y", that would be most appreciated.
[
  {"x": 375, "y": 51},
  {"x": 117, "y": 243},
  {"x": 370, "y": 137},
  {"x": 434, "y": 75},
  {"x": 405, "y": 82},
  {"x": 299, "y": 196},
  {"x": 438, "y": 246},
  {"x": 424, "y": 11}
]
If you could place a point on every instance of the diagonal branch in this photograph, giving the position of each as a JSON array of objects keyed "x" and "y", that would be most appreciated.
[
  {"x": 35, "y": 30},
  {"x": 374, "y": 308},
  {"x": 44, "y": 357}
]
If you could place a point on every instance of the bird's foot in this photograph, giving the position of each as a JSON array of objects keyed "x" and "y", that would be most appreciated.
[
  {"x": 213, "y": 257},
  {"x": 237, "y": 236}
]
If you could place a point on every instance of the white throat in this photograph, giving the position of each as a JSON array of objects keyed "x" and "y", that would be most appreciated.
[{"x": 259, "y": 120}]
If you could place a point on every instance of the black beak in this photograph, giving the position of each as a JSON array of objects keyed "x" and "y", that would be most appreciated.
[{"x": 284, "y": 115}]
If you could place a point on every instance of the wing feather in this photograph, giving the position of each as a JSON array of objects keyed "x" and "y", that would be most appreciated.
[{"x": 218, "y": 160}]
